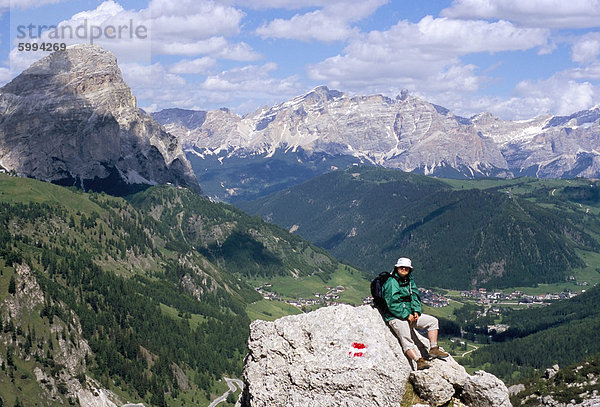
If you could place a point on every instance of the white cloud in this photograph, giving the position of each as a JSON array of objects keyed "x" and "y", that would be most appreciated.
[
  {"x": 166, "y": 27},
  {"x": 345, "y": 7},
  {"x": 197, "y": 27},
  {"x": 282, "y": 4},
  {"x": 5, "y": 76},
  {"x": 586, "y": 48},
  {"x": 149, "y": 76},
  {"x": 315, "y": 25},
  {"x": 194, "y": 66},
  {"x": 589, "y": 72},
  {"x": 19, "y": 61},
  {"x": 216, "y": 47},
  {"x": 424, "y": 55},
  {"x": 193, "y": 19},
  {"x": 249, "y": 87},
  {"x": 556, "y": 94},
  {"x": 100, "y": 14},
  {"x": 123, "y": 32},
  {"x": 532, "y": 13},
  {"x": 329, "y": 23},
  {"x": 560, "y": 94},
  {"x": 250, "y": 79},
  {"x": 154, "y": 84},
  {"x": 237, "y": 52}
]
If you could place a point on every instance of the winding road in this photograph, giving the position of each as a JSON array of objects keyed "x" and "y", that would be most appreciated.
[
  {"x": 232, "y": 388},
  {"x": 467, "y": 352}
]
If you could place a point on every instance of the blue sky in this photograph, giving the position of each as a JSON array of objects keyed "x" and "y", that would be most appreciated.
[{"x": 516, "y": 59}]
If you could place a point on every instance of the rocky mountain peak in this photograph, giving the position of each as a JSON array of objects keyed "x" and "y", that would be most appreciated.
[
  {"x": 323, "y": 93},
  {"x": 347, "y": 356},
  {"x": 485, "y": 117},
  {"x": 190, "y": 119},
  {"x": 403, "y": 94},
  {"x": 71, "y": 119},
  {"x": 87, "y": 71}
]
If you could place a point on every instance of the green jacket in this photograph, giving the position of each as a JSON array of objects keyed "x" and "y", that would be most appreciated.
[{"x": 402, "y": 297}]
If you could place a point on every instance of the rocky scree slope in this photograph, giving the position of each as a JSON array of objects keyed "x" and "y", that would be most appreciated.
[
  {"x": 71, "y": 119},
  {"x": 347, "y": 356},
  {"x": 574, "y": 386}
]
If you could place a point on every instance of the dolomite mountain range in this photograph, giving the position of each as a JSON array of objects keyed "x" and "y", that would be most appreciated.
[
  {"x": 405, "y": 133},
  {"x": 71, "y": 119}
]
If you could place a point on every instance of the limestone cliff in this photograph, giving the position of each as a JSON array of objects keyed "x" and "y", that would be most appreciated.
[
  {"x": 61, "y": 373},
  {"x": 71, "y": 119},
  {"x": 347, "y": 356}
]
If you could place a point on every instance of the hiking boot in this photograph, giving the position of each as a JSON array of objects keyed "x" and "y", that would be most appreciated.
[
  {"x": 422, "y": 364},
  {"x": 437, "y": 353}
]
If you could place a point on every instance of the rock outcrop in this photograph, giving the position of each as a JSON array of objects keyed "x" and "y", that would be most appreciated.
[
  {"x": 71, "y": 119},
  {"x": 347, "y": 356},
  {"x": 575, "y": 386}
]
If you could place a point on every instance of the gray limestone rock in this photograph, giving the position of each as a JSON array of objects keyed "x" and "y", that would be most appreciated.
[
  {"x": 551, "y": 371},
  {"x": 347, "y": 356},
  {"x": 71, "y": 119},
  {"x": 406, "y": 133},
  {"x": 330, "y": 357},
  {"x": 516, "y": 389},
  {"x": 485, "y": 390},
  {"x": 440, "y": 382},
  {"x": 431, "y": 386}
]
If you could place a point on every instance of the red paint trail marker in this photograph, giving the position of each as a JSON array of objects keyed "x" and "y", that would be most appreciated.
[{"x": 357, "y": 345}]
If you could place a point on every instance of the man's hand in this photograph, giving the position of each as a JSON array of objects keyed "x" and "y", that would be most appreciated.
[{"x": 413, "y": 317}]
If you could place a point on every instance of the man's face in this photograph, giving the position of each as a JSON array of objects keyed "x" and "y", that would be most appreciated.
[{"x": 403, "y": 271}]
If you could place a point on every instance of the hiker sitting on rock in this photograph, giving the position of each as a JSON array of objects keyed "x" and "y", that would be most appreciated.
[{"x": 404, "y": 313}]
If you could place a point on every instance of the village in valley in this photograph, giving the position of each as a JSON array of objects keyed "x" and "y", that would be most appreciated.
[
  {"x": 491, "y": 300},
  {"x": 484, "y": 297},
  {"x": 331, "y": 297}
]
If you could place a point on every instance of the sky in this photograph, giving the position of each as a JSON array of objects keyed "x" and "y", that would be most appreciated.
[{"x": 513, "y": 58}]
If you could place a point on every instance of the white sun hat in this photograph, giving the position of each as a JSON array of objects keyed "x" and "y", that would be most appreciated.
[{"x": 404, "y": 262}]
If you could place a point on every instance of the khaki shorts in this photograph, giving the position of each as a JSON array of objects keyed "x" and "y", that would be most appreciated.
[{"x": 404, "y": 330}]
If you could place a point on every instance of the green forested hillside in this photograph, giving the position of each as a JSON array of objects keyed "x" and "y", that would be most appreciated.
[
  {"x": 228, "y": 237},
  {"x": 144, "y": 297},
  {"x": 459, "y": 234}
]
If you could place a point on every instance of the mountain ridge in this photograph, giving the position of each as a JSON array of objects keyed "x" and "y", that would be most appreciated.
[{"x": 405, "y": 132}]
